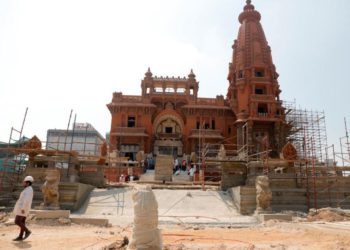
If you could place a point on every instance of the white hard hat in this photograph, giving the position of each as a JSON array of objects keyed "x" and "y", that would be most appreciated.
[{"x": 28, "y": 178}]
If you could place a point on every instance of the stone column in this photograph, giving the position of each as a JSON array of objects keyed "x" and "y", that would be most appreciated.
[{"x": 145, "y": 232}]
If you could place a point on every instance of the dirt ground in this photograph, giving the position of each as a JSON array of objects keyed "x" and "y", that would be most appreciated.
[{"x": 271, "y": 235}]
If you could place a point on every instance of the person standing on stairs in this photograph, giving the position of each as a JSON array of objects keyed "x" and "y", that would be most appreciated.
[{"x": 22, "y": 208}]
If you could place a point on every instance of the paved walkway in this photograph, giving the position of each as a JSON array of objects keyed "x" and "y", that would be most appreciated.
[{"x": 175, "y": 206}]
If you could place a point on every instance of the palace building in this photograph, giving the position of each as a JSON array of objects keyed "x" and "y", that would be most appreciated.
[{"x": 170, "y": 118}]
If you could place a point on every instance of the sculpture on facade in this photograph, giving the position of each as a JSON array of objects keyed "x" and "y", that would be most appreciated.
[
  {"x": 263, "y": 194},
  {"x": 193, "y": 157},
  {"x": 289, "y": 152},
  {"x": 50, "y": 190},
  {"x": 34, "y": 144},
  {"x": 222, "y": 152}
]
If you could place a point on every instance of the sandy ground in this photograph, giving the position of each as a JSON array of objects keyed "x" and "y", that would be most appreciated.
[
  {"x": 271, "y": 235},
  {"x": 188, "y": 219}
]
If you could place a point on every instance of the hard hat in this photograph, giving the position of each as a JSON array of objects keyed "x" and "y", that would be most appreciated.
[{"x": 28, "y": 178}]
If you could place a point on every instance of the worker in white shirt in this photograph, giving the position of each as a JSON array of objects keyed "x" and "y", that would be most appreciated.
[{"x": 22, "y": 208}]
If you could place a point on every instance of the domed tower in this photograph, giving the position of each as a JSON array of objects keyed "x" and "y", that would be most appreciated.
[{"x": 253, "y": 90}]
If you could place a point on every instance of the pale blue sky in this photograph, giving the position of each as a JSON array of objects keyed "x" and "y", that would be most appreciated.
[{"x": 58, "y": 55}]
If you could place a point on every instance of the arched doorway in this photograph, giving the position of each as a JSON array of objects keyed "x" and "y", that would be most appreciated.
[{"x": 168, "y": 135}]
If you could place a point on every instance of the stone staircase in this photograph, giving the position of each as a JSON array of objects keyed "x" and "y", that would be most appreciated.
[
  {"x": 72, "y": 195},
  {"x": 148, "y": 176},
  {"x": 182, "y": 177},
  {"x": 297, "y": 195}
]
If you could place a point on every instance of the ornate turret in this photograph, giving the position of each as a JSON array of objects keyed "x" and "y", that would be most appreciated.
[
  {"x": 191, "y": 75},
  {"x": 148, "y": 74},
  {"x": 253, "y": 90}
]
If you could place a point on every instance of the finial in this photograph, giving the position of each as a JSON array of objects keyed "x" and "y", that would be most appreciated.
[
  {"x": 148, "y": 73},
  {"x": 249, "y": 6},
  {"x": 191, "y": 74}
]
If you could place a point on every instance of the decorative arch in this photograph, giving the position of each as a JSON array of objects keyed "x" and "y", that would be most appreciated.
[{"x": 168, "y": 114}]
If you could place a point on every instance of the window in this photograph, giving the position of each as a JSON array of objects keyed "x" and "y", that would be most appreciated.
[
  {"x": 169, "y": 130},
  {"x": 191, "y": 91},
  {"x": 213, "y": 124},
  {"x": 240, "y": 74},
  {"x": 259, "y": 73},
  {"x": 181, "y": 90},
  {"x": 158, "y": 90},
  {"x": 229, "y": 130},
  {"x": 262, "y": 109},
  {"x": 260, "y": 91},
  {"x": 169, "y": 90},
  {"x": 148, "y": 90},
  {"x": 206, "y": 126},
  {"x": 131, "y": 122},
  {"x": 197, "y": 125}
]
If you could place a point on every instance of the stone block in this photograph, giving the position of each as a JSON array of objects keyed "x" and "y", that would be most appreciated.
[
  {"x": 90, "y": 221},
  {"x": 50, "y": 214},
  {"x": 280, "y": 217},
  {"x": 164, "y": 168}
]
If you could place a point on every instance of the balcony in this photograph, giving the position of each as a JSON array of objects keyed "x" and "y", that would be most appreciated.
[
  {"x": 263, "y": 115},
  {"x": 171, "y": 136},
  {"x": 126, "y": 131}
]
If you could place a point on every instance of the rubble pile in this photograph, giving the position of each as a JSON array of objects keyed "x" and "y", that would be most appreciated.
[{"x": 328, "y": 214}]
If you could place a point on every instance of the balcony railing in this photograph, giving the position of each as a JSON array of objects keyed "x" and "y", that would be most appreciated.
[
  {"x": 128, "y": 130},
  {"x": 168, "y": 135},
  {"x": 263, "y": 114}
]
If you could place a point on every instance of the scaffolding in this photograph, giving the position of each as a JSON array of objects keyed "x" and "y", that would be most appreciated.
[
  {"x": 308, "y": 127},
  {"x": 13, "y": 164}
]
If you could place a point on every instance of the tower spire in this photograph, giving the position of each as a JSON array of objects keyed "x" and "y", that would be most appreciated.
[
  {"x": 254, "y": 89},
  {"x": 249, "y": 12}
]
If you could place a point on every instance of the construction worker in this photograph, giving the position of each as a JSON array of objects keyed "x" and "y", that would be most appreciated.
[{"x": 22, "y": 208}]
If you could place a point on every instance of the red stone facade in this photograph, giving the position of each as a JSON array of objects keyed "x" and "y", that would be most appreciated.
[{"x": 169, "y": 117}]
